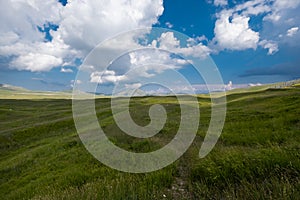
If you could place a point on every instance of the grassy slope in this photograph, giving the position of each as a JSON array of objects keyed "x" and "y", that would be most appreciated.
[{"x": 257, "y": 156}]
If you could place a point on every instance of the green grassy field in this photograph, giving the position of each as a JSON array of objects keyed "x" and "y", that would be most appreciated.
[{"x": 256, "y": 157}]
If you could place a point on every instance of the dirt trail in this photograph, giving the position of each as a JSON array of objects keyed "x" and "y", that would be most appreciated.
[{"x": 180, "y": 186}]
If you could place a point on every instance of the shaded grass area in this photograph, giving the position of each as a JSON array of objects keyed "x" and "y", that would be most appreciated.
[{"x": 256, "y": 157}]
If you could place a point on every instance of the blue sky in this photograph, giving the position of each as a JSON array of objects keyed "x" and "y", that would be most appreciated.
[{"x": 43, "y": 43}]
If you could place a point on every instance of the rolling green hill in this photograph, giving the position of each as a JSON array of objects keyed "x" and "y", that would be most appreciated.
[{"x": 257, "y": 156}]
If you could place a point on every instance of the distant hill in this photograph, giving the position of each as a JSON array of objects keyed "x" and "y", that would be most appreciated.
[
  {"x": 257, "y": 88},
  {"x": 14, "y": 92},
  {"x": 131, "y": 92},
  {"x": 11, "y": 88}
]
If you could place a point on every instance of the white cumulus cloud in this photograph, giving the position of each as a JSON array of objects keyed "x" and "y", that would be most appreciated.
[
  {"x": 82, "y": 24},
  {"x": 220, "y": 2},
  {"x": 107, "y": 76},
  {"x": 279, "y": 9},
  {"x": 64, "y": 70},
  {"x": 169, "y": 25},
  {"x": 270, "y": 45},
  {"x": 36, "y": 62},
  {"x": 292, "y": 31},
  {"x": 235, "y": 34},
  {"x": 195, "y": 48}
]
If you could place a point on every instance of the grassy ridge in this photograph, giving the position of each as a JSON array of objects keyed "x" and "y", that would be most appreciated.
[{"x": 257, "y": 156}]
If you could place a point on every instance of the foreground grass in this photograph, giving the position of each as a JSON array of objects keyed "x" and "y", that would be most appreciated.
[{"x": 257, "y": 156}]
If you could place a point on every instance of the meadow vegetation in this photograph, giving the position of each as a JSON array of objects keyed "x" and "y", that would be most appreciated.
[{"x": 256, "y": 157}]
